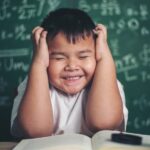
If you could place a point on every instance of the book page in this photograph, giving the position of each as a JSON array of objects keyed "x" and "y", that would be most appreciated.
[
  {"x": 100, "y": 138},
  {"x": 58, "y": 142}
]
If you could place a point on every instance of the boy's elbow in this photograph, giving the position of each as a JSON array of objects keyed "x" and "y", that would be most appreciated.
[
  {"x": 29, "y": 131},
  {"x": 112, "y": 123},
  {"x": 34, "y": 128},
  {"x": 37, "y": 132},
  {"x": 107, "y": 123}
]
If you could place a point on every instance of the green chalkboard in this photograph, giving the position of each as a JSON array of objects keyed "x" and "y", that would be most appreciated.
[{"x": 128, "y": 24}]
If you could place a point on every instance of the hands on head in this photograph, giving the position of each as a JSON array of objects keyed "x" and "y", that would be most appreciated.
[
  {"x": 101, "y": 41},
  {"x": 41, "y": 53}
]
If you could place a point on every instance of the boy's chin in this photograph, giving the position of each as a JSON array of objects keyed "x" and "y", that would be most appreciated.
[{"x": 72, "y": 91}]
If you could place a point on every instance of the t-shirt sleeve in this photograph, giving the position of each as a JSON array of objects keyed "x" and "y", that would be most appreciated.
[
  {"x": 15, "y": 129},
  {"x": 125, "y": 110}
]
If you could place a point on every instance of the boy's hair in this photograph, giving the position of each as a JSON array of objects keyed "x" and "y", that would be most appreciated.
[{"x": 73, "y": 23}]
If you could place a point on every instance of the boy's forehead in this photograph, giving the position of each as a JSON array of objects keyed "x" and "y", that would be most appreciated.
[
  {"x": 71, "y": 39},
  {"x": 61, "y": 44}
]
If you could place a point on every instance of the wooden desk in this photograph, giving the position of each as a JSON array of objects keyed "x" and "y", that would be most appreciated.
[{"x": 7, "y": 145}]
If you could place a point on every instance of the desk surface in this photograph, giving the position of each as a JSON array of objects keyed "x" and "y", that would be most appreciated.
[{"x": 7, "y": 145}]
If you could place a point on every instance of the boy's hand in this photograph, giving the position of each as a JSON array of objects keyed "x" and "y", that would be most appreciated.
[
  {"x": 41, "y": 54},
  {"x": 101, "y": 41}
]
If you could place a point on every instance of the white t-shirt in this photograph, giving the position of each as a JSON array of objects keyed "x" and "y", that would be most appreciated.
[{"x": 68, "y": 111}]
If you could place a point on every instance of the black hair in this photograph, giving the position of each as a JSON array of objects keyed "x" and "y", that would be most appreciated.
[{"x": 72, "y": 22}]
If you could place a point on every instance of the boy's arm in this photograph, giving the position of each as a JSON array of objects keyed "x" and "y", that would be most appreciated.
[
  {"x": 35, "y": 111},
  {"x": 104, "y": 108}
]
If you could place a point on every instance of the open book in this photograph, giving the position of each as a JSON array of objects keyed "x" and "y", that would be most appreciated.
[{"x": 100, "y": 141}]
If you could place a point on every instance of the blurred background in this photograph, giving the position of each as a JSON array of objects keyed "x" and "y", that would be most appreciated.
[{"x": 128, "y": 24}]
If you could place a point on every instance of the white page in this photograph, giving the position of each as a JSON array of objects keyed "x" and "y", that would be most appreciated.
[
  {"x": 100, "y": 138},
  {"x": 58, "y": 142}
]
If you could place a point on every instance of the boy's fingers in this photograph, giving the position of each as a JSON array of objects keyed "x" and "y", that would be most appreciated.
[
  {"x": 36, "y": 34},
  {"x": 42, "y": 40},
  {"x": 35, "y": 29},
  {"x": 43, "y": 34},
  {"x": 99, "y": 28},
  {"x": 33, "y": 32},
  {"x": 101, "y": 41}
]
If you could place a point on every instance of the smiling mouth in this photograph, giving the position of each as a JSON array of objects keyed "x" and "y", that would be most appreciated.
[{"x": 72, "y": 78}]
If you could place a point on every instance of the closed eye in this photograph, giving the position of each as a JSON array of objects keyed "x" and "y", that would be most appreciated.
[
  {"x": 83, "y": 57},
  {"x": 57, "y": 56},
  {"x": 83, "y": 54}
]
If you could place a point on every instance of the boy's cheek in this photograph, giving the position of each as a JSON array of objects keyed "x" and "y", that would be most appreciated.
[{"x": 90, "y": 67}]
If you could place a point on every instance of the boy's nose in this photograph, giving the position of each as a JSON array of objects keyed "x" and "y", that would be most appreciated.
[{"x": 72, "y": 64}]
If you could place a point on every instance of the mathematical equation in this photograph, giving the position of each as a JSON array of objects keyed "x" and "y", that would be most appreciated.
[
  {"x": 130, "y": 18},
  {"x": 9, "y": 62},
  {"x": 25, "y": 10},
  {"x": 130, "y": 63},
  {"x": 113, "y": 8},
  {"x": 139, "y": 123},
  {"x": 19, "y": 33},
  {"x": 133, "y": 19},
  {"x": 142, "y": 105}
]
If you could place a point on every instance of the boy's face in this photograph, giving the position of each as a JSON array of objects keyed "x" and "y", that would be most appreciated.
[{"x": 71, "y": 66}]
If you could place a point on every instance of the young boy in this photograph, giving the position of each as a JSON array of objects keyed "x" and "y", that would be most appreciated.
[{"x": 72, "y": 85}]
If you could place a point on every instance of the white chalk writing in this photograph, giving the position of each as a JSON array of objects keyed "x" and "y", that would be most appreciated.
[
  {"x": 126, "y": 65},
  {"x": 106, "y": 7},
  {"x": 144, "y": 55},
  {"x": 14, "y": 52},
  {"x": 11, "y": 65},
  {"x": 19, "y": 33},
  {"x": 4, "y": 14}
]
